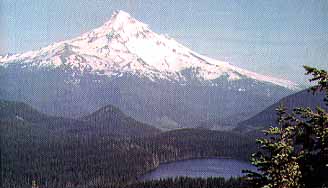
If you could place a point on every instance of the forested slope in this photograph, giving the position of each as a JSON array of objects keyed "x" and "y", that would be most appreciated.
[{"x": 60, "y": 152}]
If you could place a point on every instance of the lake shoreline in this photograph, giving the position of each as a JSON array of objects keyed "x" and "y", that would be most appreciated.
[{"x": 140, "y": 178}]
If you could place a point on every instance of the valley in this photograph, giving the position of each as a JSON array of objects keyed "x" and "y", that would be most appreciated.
[{"x": 121, "y": 106}]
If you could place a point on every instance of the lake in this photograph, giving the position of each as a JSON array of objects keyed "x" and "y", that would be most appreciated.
[{"x": 199, "y": 168}]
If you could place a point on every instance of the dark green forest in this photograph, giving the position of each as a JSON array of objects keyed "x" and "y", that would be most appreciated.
[{"x": 57, "y": 152}]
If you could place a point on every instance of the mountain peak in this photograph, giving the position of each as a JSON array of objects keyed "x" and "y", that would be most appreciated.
[
  {"x": 121, "y": 14},
  {"x": 124, "y": 45},
  {"x": 122, "y": 21},
  {"x": 119, "y": 17}
]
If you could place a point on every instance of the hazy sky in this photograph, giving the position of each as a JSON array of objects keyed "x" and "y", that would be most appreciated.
[{"x": 274, "y": 37}]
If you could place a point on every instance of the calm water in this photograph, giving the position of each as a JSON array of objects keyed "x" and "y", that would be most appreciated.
[{"x": 199, "y": 168}]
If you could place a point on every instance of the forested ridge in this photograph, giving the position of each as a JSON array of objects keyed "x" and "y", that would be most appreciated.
[
  {"x": 197, "y": 143},
  {"x": 57, "y": 152},
  {"x": 268, "y": 117}
]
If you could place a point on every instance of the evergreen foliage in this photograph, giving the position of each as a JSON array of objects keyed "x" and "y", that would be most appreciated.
[{"x": 295, "y": 154}]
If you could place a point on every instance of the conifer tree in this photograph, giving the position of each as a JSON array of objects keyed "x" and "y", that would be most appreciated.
[
  {"x": 313, "y": 137},
  {"x": 276, "y": 162},
  {"x": 295, "y": 154}
]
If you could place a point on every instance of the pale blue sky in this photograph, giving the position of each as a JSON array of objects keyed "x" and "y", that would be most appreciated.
[{"x": 274, "y": 37}]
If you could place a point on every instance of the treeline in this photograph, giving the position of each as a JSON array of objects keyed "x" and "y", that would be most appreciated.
[
  {"x": 186, "y": 182},
  {"x": 197, "y": 143}
]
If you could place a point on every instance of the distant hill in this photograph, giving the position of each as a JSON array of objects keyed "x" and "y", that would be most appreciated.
[
  {"x": 11, "y": 110},
  {"x": 111, "y": 119},
  {"x": 106, "y": 121},
  {"x": 268, "y": 117}
]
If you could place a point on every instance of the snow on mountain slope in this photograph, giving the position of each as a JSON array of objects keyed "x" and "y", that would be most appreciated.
[{"x": 125, "y": 45}]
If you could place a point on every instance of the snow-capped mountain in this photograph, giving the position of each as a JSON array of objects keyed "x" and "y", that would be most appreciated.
[
  {"x": 151, "y": 77},
  {"x": 125, "y": 45}
]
